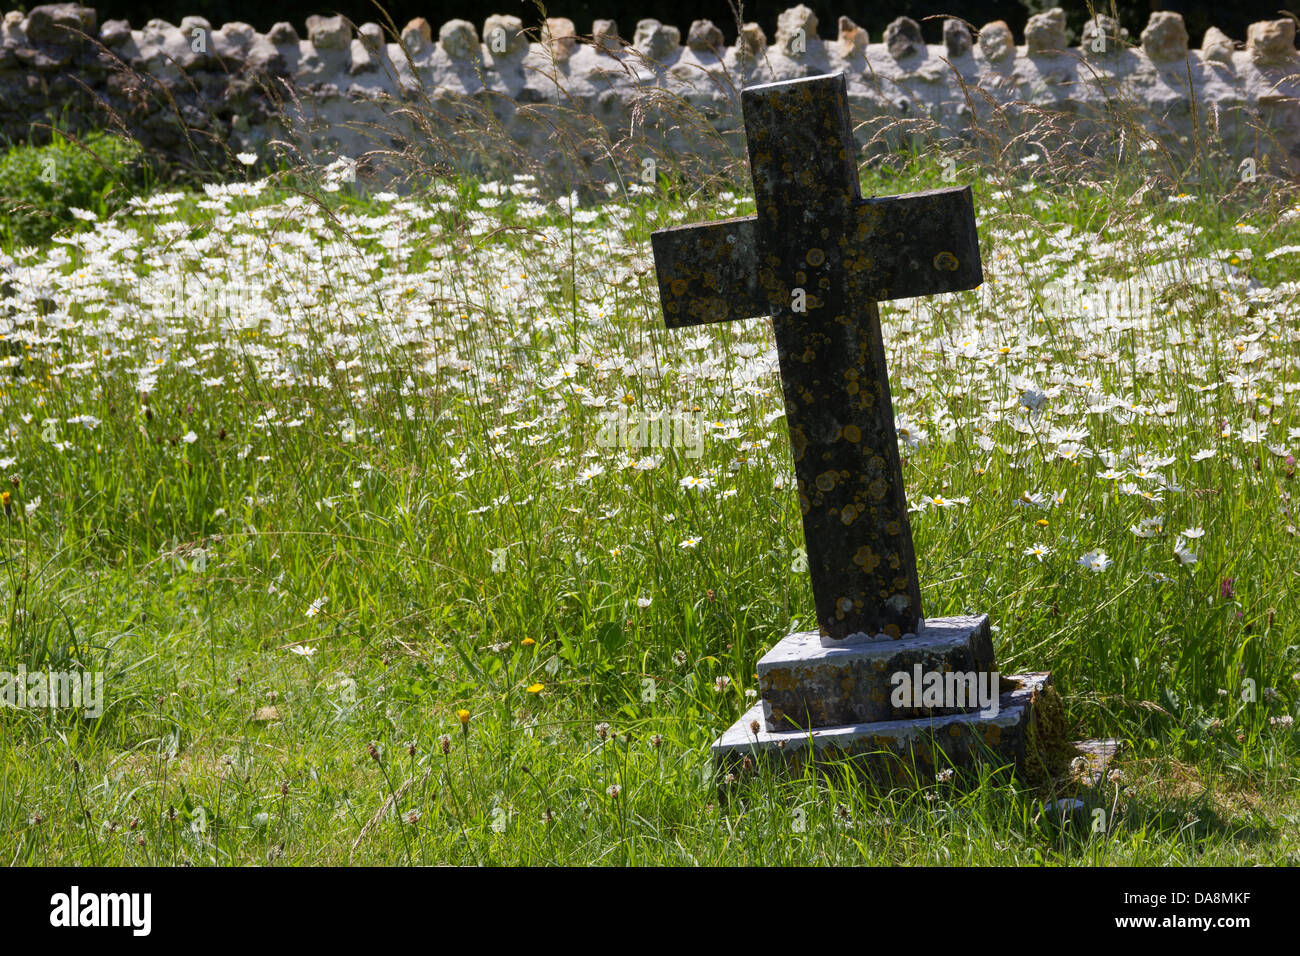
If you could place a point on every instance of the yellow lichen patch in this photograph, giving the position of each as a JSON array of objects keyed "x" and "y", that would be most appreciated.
[
  {"x": 780, "y": 680},
  {"x": 866, "y": 559},
  {"x": 946, "y": 262}
]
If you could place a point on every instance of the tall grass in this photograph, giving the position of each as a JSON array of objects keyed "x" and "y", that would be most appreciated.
[{"x": 366, "y": 587}]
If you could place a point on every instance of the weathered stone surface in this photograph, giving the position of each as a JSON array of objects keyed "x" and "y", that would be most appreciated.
[
  {"x": 191, "y": 23},
  {"x": 1045, "y": 33},
  {"x": 328, "y": 33},
  {"x": 115, "y": 33},
  {"x": 264, "y": 56},
  {"x": 1102, "y": 36},
  {"x": 796, "y": 30},
  {"x": 1271, "y": 41},
  {"x": 371, "y": 36},
  {"x": 504, "y": 38},
  {"x": 560, "y": 37},
  {"x": 59, "y": 23},
  {"x": 656, "y": 41},
  {"x": 996, "y": 41},
  {"x": 417, "y": 36},
  {"x": 604, "y": 34},
  {"x": 1216, "y": 46},
  {"x": 894, "y": 750},
  {"x": 751, "y": 42},
  {"x": 46, "y": 58},
  {"x": 852, "y": 39},
  {"x": 903, "y": 38},
  {"x": 282, "y": 33},
  {"x": 459, "y": 40},
  {"x": 1165, "y": 38},
  {"x": 956, "y": 37},
  {"x": 704, "y": 36},
  {"x": 816, "y": 257},
  {"x": 804, "y": 684},
  {"x": 360, "y": 59},
  {"x": 164, "y": 51},
  {"x": 232, "y": 41},
  {"x": 216, "y": 92}
]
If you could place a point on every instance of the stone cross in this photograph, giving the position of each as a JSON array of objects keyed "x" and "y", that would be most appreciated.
[{"x": 817, "y": 257}]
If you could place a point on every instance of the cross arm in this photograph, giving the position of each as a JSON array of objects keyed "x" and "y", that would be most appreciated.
[
  {"x": 917, "y": 244},
  {"x": 709, "y": 273}
]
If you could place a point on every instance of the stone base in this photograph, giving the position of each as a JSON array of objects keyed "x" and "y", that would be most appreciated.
[
  {"x": 803, "y": 683},
  {"x": 899, "y": 749}
]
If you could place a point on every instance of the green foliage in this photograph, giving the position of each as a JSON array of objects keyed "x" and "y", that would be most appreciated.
[
  {"x": 40, "y": 186},
  {"x": 304, "y": 537}
]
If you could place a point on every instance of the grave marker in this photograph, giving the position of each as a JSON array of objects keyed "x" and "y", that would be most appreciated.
[{"x": 817, "y": 257}]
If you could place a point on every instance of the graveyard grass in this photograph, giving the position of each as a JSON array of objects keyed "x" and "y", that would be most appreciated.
[{"x": 367, "y": 588}]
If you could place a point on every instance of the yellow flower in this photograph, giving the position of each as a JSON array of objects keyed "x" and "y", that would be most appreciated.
[
  {"x": 528, "y": 642},
  {"x": 1041, "y": 522},
  {"x": 464, "y": 716},
  {"x": 535, "y": 689}
]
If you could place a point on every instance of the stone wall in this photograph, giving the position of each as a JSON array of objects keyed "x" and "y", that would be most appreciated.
[{"x": 195, "y": 92}]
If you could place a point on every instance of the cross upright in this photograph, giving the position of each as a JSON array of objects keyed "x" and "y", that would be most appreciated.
[{"x": 817, "y": 257}]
